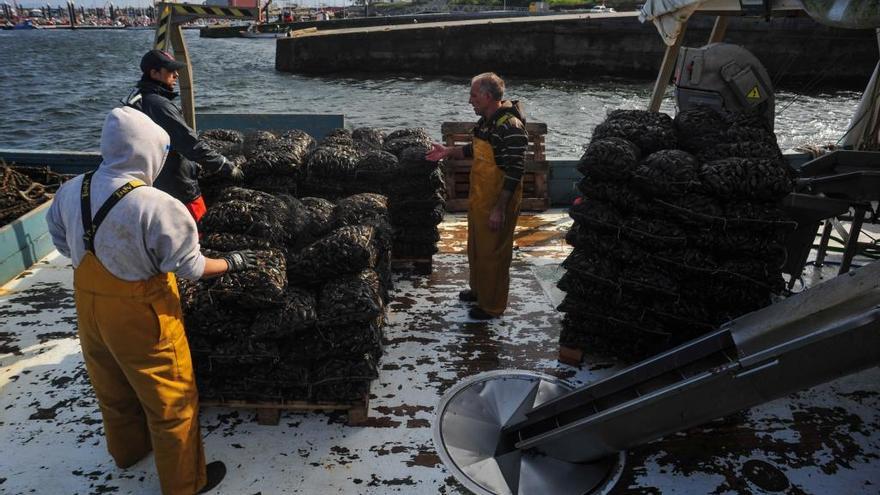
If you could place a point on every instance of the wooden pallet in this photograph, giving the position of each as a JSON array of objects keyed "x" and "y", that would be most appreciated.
[
  {"x": 570, "y": 356},
  {"x": 421, "y": 266},
  {"x": 269, "y": 412},
  {"x": 536, "y": 196}
]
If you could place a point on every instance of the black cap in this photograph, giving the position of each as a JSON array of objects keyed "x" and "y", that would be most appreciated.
[{"x": 158, "y": 59}]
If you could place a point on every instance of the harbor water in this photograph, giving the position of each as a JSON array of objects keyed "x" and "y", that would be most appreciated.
[{"x": 57, "y": 86}]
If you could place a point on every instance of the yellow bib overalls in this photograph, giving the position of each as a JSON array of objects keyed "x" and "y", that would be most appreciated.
[
  {"x": 138, "y": 361},
  {"x": 489, "y": 253}
]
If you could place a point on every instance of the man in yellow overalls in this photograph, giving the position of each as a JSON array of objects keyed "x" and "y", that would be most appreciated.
[
  {"x": 129, "y": 319},
  {"x": 498, "y": 152}
]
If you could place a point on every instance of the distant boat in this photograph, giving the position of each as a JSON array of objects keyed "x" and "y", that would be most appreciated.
[
  {"x": 251, "y": 32},
  {"x": 28, "y": 24}
]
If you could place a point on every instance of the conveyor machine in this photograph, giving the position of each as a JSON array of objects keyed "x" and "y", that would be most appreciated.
[{"x": 517, "y": 432}]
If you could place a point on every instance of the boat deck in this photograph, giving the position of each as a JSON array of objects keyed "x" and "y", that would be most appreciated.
[{"x": 825, "y": 440}]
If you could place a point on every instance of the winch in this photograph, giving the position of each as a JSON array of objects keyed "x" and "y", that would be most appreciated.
[{"x": 725, "y": 77}]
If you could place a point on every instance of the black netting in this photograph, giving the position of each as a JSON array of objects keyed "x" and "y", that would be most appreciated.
[
  {"x": 369, "y": 136},
  {"x": 345, "y": 250},
  {"x": 297, "y": 312},
  {"x": 259, "y": 287},
  {"x": 360, "y": 208},
  {"x": 350, "y": 299},
  {"x": 225, "y": 242},
  {"x": 243, "y": 217},
  {"x": 647, "y": 130},
  {"x": 679, "y": 245},
  {"x": 752, "y": 178},
  {"x": 611, "y": 158},
  {"x": 333, "y": 161},
  {"x": 256, "y": 141},
  {"x": 668, "y": 173},
  {"x": 282, "y": 156},
  {"x": 224, "y": 141}
]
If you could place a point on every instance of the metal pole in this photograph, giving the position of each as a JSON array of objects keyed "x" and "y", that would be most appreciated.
[
  {"x": 719, "y": 29},
  {"x": 666, "y": 68},
  {"x": 187, "y": 98}
]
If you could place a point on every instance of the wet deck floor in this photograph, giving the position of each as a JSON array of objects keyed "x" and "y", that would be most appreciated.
[{"x": 822, "y": 441}]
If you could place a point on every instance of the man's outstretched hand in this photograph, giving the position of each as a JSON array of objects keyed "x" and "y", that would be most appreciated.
[{"x": 437, "y": 153}]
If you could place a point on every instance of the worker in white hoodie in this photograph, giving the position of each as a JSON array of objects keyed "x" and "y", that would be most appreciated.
[{"x": 125, "y": 258}]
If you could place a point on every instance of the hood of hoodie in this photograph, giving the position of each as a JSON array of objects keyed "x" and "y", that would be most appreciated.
[
  {"x": 133, "y": 146},
  {"x": 147, "y": 85}
]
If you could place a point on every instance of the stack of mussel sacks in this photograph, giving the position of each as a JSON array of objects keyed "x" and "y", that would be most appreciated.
[
  {"x": 368, "y": 160},
  {"x": 678, "y": 230},
  {"x": 344, "y": 163},
  {"x": 272, "y": 162},
  {"x": 306, "y": 323}
]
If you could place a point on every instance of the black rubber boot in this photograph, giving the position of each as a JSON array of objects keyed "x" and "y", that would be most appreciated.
[
  {"x": 467, "y": 295},
  {"x": 476, "y": 313},
  {"x": 216, "y": 471}
]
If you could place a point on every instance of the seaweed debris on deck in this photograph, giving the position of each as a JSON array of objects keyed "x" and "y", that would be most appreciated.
[{"x": 806, "y": 443}]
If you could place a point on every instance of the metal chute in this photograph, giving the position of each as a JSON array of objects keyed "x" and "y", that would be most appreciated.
[{"x": 511, "y": 432}]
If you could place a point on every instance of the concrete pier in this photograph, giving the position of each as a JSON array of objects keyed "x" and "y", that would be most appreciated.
[{"x": 795, "y": 50}]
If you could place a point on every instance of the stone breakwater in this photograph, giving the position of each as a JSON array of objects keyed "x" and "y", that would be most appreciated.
[{"x": 795, "y": 50}]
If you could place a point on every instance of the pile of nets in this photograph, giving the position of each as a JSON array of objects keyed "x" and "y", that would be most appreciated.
[
  {"x": 306, "y": 322},
  {"x": 677, "y": 230},
  {"x": 24, "y": 188}
]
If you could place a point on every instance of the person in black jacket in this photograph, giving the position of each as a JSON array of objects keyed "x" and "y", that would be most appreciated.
[{"x": 154, "y": 96}]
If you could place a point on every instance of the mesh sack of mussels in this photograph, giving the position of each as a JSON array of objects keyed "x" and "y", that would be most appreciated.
[
  {"x": 345, "y": 250},
  {"x": 751, "y": 178},
  {"x": 262, "y": 286},
  {"x": 227, "y": 142},
  {"x": 212, "y": 184},
  {"x": 619, "y": 195},
  {"x": 609, "y": 159},
  {"x": 350, "y": 299},
  {"x": 297, "y": 312},
  {"x": 308, "y": 219},
  {"x": 376, "y": 168},
  {"x": 649, "y": 131},
  {"x": 317, "y": 343},
  {"x": 207, "y": 317},
  {"x": 668, "y": 173},
  {"x": 403, "y": 249},
  {"x": 360, "y": 208},
  {"x": 401, "y": 139},
  {"x": 371, "y": 137},
  {"x": 333, "y": 160},
  {"x": 412, "y": 214},
  {"x": 714, "y": 134},
  {"x": 343, "y": 380},
  {"x": 238, "y": 216},
  {"x": 275, "y": 155},
  {"x": 606, "y": 335}
]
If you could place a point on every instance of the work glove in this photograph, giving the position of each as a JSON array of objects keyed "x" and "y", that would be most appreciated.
[
  {"x": 240, "y": 260},
  {"x": 233, "y": 171},
  {"x": 236, "y": 173}
]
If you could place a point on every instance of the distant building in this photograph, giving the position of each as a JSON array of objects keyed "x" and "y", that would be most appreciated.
[
  {"x": 232, "y": 3},
  {"x": 243, "y": 3}
]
